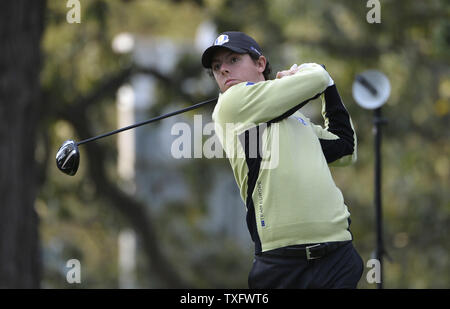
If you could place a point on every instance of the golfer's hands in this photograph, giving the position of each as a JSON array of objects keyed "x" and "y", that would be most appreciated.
[
  {"x": 291, "y": 71},
  {"x": 294, "y": 69}
]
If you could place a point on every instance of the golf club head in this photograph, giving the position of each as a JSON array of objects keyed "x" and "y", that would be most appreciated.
[{"x": 68, "y": 158}]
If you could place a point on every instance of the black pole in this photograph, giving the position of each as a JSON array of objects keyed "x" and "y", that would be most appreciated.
[{"x": 378, "y": 122}]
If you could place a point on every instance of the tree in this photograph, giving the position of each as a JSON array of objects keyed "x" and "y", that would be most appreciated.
[{"x": 21, "y": 25}]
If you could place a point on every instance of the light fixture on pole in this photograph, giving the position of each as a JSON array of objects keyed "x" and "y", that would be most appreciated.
[{"x": 371, "y": 89}]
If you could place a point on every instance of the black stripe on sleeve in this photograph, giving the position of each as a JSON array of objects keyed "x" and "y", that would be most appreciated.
[
  {"x": 338, "y": 124},
  {"x": 253, "y": 161}
]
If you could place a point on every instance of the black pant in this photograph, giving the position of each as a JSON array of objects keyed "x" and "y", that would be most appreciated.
[{"x": 340, "y": 269}]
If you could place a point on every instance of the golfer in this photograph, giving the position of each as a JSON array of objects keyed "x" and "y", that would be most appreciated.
[{"x": 296, "y": 214}]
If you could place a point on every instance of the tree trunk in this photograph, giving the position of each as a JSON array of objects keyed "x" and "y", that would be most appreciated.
[{"x": 21, "y": 25}]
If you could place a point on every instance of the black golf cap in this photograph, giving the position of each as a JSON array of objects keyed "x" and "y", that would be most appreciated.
[{"x": 235, "y": 41}]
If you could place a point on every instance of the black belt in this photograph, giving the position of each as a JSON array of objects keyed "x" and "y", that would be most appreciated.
[{"x": 308, "y": 252}]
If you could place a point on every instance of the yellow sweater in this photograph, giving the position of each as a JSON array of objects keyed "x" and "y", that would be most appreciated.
[{"x": 280, "y": 159}]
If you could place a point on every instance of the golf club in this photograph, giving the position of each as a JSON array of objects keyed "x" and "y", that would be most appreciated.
[{"x": 68, "y": 156}]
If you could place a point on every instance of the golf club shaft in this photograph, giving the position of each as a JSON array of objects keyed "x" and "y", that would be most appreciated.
[{"x": 195, "y": 106}]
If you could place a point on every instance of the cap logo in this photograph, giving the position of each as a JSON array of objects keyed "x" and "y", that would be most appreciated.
[
  {"x": 222, "y": 39},
  {"x": 255, "y": 50}
]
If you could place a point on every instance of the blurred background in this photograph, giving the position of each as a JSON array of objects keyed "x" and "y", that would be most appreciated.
[{"x": 136, "y": 217}]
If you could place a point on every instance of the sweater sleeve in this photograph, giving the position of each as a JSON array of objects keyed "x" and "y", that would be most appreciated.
[
  {"x": 337, "y": 137},
  {"x": 248, "y": 104}
]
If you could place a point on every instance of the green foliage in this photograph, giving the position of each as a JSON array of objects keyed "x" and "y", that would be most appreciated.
[{"x": 410, "y": 46}]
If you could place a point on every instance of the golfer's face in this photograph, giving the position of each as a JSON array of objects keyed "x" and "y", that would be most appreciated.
[{"x": 230, "y": 68}]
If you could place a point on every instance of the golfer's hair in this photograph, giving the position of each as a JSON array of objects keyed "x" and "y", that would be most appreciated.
[{"x": 255, "y": 57}]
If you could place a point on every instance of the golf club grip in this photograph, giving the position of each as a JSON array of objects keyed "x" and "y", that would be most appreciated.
[{"x": 195, "y": 106}]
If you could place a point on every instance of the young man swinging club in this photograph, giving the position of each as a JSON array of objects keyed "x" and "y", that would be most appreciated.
[{"x": 295, "y": 213}]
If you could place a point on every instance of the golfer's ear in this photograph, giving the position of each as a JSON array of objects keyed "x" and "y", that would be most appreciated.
[{"x": 262, "y": 61}]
